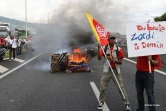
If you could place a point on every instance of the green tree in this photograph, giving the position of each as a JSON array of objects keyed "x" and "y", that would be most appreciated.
[
  {"x": 160, "y": 18},
  {"x": 22, "y": 32}
]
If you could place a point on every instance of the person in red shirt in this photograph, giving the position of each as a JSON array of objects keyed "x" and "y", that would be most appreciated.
[
  {"x": 145, "y": 80},
  {"x": 115, "y": 56}
]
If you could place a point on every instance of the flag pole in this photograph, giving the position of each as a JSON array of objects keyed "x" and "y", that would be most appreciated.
[
  {"x": 149, "y": 67},
  {"x": 149, "y": 64},
  {"x": 98, "y": 39}
]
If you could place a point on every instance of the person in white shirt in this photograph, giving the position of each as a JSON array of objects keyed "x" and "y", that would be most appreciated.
[
  {"x": 25, "y": 39},
  {"x": 12, "y": 47},
  {"x": 26, "y": 43}
]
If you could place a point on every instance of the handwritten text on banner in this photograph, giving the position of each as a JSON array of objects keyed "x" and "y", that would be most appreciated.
[{"x": 146, "y": 38}]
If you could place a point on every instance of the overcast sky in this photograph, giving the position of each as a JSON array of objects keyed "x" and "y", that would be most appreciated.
[{"x": 38, "y": 9}]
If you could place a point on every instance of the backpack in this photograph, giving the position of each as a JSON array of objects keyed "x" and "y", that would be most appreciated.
[{"x": 117, "y": 51}]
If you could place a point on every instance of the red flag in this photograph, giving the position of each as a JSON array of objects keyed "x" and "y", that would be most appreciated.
[{"x": 99, "y": 31}]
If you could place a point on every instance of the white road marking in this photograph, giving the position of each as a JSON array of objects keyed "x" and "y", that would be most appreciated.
[
  {"x": 161, "y": 72},
  {"x": 19, "y": 60},
  {"x": 96, "y": 91},
  {"x": 9, "y": 72},
  {"x": 16, "y": 59},
  {"x": 3, "y": 69},
  {"x": 130, "y": 60},
  {"x": 5, "y": 58}
]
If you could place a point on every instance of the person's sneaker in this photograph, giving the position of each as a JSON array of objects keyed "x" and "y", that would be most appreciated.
[
  {"x": 9, "y": 60},
  {"x": 100, "y": 105},
  {"x": 128, "y": 108}
]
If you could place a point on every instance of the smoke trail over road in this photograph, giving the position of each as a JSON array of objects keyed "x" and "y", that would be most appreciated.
[{"x": 69, "y": 27}]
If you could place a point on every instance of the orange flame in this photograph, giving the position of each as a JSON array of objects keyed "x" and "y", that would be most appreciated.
[{"x": 78, "y": 56}]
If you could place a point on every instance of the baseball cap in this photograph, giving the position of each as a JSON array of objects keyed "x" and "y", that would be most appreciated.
[{"x": 112, "y": 36}]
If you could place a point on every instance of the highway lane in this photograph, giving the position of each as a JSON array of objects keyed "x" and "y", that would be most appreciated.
[
  {"x": 5, "y": 64},
  {"x": 34, "y": 88}
]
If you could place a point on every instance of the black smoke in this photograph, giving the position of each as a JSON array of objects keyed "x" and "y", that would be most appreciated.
[{"x": 69, "y": 27}]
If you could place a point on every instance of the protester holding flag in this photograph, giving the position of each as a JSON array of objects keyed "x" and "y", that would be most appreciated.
[
  {"x": 144, "y": 79},
  {"x": 115, "y": 56}
]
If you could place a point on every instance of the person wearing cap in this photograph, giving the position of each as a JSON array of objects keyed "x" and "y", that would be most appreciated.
[{"x": 115, "y": 56}]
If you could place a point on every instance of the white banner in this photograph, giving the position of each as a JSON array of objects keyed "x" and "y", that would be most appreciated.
[{"x": 146, "y": 38}]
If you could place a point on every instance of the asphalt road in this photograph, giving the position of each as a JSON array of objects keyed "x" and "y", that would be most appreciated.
[{"x": 33, "y": 88}]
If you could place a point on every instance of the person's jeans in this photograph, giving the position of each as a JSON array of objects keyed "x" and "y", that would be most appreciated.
[
  {"x": 145, "y": 80},
  {"x": 12, "y": 50}
]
